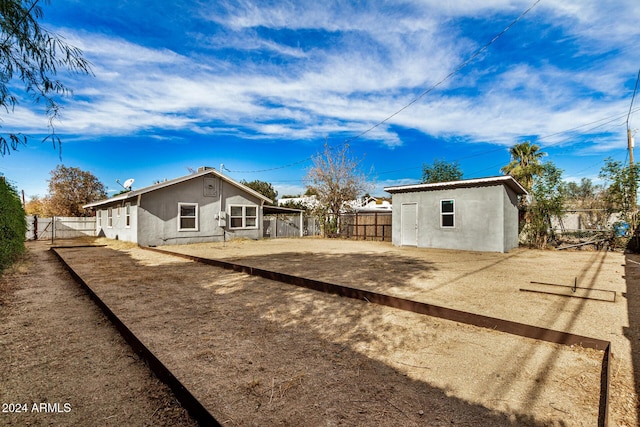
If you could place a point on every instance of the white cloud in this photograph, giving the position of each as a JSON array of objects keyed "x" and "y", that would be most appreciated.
[{"x": 389, "y": 54}]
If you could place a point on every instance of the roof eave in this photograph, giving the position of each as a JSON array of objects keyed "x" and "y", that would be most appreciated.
[
  {"x": 507, "y": 180},
  {"x": 175, "y": 181}
]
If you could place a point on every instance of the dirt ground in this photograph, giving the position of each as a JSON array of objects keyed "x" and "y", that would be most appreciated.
[
  {"x": 482, "y": 283},
  {"x": 59, "y": 352},
  {"x": 257, "y": 352}
]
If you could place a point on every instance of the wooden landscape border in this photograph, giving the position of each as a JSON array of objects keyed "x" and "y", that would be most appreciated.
[
  {"x": 204, "y": 417},
  {"x": 506, "y": 326},
  {"x": 196, "y": 409}
]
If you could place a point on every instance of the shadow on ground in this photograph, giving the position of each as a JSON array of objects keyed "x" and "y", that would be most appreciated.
[
  {"x": 349, "y": 269},
  {"x": 257, "y": 352}
]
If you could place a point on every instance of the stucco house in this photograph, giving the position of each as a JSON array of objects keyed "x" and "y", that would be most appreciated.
[
  {"x": 473, "y": 214},
  {"x": 205, "y": 206}
]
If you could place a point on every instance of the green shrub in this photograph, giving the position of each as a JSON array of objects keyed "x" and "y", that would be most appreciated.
[{"x": 13, "y": 225}]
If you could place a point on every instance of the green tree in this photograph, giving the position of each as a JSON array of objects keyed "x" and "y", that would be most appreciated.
[
  {"x": 441, "y": 171},
  {"x": 335, "y": 178},
  {"x": 525, "y": 163},
  {"x": 13, "y": 226},
  {"x": 581, "y": 192},
  {"x": 621, "y": 183},
  {"x": 547, "y": 202},
  {"x": 32, "y": 55},
  {"x": 589, "y": 199},
  {"x": 70, "y": 188},
  {"x": 262, "y": 187}
]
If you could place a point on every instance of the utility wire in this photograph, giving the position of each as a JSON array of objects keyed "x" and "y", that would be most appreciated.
[
  {"x": 448, "y": 76},
  {"x": 274, "y": 168},
  {"x": 606, "y": 120},
  {"x": 422, "y": 95},
  {"x": 635, "y": 90},
  {"x": 609, "y": 119}
]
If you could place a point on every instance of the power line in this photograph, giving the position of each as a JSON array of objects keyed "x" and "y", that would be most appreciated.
[
  {"x": 422, "y": 95},
  {"x": 272, "y": 169},
  {"x": 448, "y": 76},
  {"x": 635, "y": 90},
  {"x": 609, "y": 119}
]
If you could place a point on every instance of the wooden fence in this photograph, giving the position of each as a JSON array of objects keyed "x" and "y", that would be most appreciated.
[
  {"x": 366, "y": 226},
  {"x": 59, "y": 227}
]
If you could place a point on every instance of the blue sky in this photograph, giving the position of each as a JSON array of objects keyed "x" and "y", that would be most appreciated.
[{"x": 259, "y": 86}]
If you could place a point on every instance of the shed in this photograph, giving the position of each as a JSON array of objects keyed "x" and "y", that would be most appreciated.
[
  {"x": 474, "y": 214},
  {"x": 205, "y": 206}
]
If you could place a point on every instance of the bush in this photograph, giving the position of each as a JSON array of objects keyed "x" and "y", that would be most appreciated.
[{"x": 13, "y": 225}]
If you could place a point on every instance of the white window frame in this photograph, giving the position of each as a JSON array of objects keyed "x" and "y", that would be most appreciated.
[
  {"x": 180, "y": 205},
  {"x": 451, "y": 214},
  {"x": 243, "y": 217},
  {"x": 127, "y": 215},
  {"x": 109, "y": 217}
]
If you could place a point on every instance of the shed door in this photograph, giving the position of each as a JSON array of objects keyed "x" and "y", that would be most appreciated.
[{"x": 409, "y": 224}]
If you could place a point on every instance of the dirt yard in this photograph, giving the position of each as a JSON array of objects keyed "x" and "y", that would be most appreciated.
[
  {"x": 59, "y": 352},
  {"x": 258, "y": 352},
  {"x": 482, "y": 283}
]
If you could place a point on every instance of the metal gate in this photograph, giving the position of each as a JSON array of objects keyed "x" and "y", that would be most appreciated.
[{"x": 280, "y": 225}]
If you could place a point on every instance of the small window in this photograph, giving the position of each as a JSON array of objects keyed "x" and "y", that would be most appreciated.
[
  {"x": 250, "y": 216},
  {"x": 109, "y": 217},
  {"x": 187, "y": 217},
  {"x": 127, "y": 215},
  {"x": 243, "y": 217},
  {"x": 235, "y": 217},
  {"x": 447, "y": 213},
  {"x": 99, "y": 218}
]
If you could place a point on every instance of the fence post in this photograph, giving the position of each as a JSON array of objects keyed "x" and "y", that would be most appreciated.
[
  {"x": 301, "y": 233},
  {"x": 53, "y": 228},
  {"x": 375, "y": 227}
]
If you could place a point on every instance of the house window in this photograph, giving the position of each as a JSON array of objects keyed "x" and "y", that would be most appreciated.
[
  {"x": 187, "y": 217},
  {"x": 127, "y": 215},
  {"x": 99, "y": 218},
  {"x": 243, "y": 217},
  {"x": 109, "y": 217},
  {"x": 447, "y": 213}
]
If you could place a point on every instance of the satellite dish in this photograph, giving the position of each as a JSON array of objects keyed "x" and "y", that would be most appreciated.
[{"x": 128, "y": 183}]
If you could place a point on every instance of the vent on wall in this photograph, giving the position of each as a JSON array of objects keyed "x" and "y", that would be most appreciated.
[{"x": 210, "y": 187}]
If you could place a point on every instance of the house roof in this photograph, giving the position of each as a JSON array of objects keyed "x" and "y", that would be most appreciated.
[
  {"x": 507, "y": 180},
  {"x": 205, "y": 171}
]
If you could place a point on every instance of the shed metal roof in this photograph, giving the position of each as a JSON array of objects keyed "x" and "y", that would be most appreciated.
[
  {"x": 507, "y": 180},
  {"x": 158, "y": 186}
]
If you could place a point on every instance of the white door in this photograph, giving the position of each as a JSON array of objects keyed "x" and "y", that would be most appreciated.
[{"x": 409, "y": 224}]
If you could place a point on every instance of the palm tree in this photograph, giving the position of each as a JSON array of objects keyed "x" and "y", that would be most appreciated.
[{"x": 525, "y": 163}]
